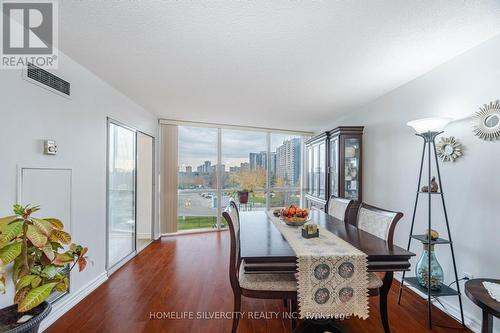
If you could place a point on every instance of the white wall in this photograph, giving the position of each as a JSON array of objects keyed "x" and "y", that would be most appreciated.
[
  {"x": 471, "y": 184},
  {"x": 29, "y": 114}
]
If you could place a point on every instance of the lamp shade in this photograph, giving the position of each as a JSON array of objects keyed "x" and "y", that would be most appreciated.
[{"x": 429, "y": 124}]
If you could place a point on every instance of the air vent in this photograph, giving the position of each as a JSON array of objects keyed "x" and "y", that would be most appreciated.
[{"x": 48, "y": 80}]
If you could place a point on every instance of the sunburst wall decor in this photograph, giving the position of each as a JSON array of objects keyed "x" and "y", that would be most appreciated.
[
  {"x": 449, "y": 149},
  {"x": 486, "y": 122}
]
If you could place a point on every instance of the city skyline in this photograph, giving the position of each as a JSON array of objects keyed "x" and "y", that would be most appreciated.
[
  {"x": 197, "y": 145},
  {"x": 283, "y": 169}
]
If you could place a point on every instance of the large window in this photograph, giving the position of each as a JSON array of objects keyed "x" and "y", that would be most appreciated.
[
  {"x": 216, "y": 164},
  {"x": 197, "y": 189}
]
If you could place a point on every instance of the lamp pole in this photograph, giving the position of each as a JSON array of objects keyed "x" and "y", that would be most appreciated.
[{"x": 429, "y": 140}]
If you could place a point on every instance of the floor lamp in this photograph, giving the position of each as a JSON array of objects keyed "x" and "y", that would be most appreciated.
[{"x": 429, "y": 129}]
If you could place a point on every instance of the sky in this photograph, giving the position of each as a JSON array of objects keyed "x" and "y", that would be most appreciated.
[{"x": 199, "y": 144}]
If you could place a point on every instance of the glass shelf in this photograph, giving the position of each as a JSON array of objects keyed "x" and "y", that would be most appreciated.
[
  {"x": 421, "y": 192},
  {"x": 444, "y": 291},
  {"x": 424, "y": 240}
]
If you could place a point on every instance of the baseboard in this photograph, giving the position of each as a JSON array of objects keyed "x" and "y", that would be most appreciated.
[
  {"x": 190, "y": 232},
  {"x": 70, "y": 300},
  {"x": 452, "y": 310}
]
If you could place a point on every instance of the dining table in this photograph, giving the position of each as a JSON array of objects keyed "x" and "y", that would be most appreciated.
[{"x": 265, "y": 250}]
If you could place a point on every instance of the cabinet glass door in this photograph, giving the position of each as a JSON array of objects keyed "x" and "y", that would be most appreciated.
[
  {"x": 322, "y": 169},
  {"x": 316, "y": 169},
  {"x": 310, "y": 171},
  {"x": 352, "y": 163},
  {"x": 334, "y": 167}
]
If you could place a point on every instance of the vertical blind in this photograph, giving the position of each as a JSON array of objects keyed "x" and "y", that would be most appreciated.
[{"x": 168, "y": 178}]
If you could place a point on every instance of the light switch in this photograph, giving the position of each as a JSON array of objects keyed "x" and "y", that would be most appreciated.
[{"x": 49, "y": 147}]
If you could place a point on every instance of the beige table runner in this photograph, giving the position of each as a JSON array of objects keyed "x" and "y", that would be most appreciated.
[{"x": 332, "y": 277}]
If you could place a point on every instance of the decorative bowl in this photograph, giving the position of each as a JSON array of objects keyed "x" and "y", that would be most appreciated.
[{"x": 295, "y": 221}]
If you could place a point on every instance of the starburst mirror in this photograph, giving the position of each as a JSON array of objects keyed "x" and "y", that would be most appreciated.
[
  {"x": 449, "y": 149},
  {"x": 486, "y": 122}
]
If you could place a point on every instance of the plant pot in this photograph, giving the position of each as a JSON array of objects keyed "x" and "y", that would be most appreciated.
[
  {"x": 9, "y": 317},
  {"x": 243, "y": 197}
]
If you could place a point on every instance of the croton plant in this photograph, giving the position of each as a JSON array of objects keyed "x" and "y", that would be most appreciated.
[{"x": 40, "y": 249}]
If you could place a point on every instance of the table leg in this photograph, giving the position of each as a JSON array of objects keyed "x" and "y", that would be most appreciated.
[
  {"x": 384, "y": 291},
  {"x": 487, "y": 325}
]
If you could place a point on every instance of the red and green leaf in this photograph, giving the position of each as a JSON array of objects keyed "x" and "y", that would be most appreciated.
[
  {"x": 43, "y": 226},
  {"x": 36, "y": 237},
  {"x": 25, "y": 281},
  {"x": 60, "y": 236},
  {"x": 35, "y": 297},
  {"x": 10, "y": 252},
  {"x": 57, "y": 224},
  {"x": 11, "y": 231},
  {"x": 63, "y": 258}
]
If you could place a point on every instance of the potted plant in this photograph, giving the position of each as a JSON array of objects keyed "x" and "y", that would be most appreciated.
[
  {"x": 35, "y": 246},
  {"x": 243, "y": 196},
  {"x": 248, "y": 180}
]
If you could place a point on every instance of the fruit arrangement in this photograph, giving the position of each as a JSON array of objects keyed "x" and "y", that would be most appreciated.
[{"x": 294, "y": 214}]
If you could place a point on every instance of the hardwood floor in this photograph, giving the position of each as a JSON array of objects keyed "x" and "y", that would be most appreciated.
[{"x": 188, "y": 275}]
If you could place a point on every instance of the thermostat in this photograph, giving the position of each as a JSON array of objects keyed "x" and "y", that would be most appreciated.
[{"x": 49, "y": 147}]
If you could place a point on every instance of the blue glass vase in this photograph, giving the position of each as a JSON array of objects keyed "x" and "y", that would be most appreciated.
[{"x": 422, "y": 269}]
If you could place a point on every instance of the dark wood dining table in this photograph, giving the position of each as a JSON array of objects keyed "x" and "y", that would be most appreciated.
[{"x": 265, "y": 250}]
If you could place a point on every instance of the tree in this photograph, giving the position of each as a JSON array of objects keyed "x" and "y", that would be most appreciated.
[{"x": 250, "y": 179}]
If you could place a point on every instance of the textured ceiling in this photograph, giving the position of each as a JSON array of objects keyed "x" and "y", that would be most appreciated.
[{"x": 284, "y": 64}]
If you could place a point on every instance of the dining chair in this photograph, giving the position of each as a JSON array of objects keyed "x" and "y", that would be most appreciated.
[
  {"x": 263, "y": 286},
  {"x": 339, "y": 207},
  {"x": 381, "y": 223}
]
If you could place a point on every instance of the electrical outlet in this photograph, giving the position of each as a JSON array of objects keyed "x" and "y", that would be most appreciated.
[{"x": 468, "y": 276}]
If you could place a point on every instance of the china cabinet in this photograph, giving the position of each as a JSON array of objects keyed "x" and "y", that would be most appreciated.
[
  {"x": 316, "y": 172},
  {"x": 334, "y": 167}
]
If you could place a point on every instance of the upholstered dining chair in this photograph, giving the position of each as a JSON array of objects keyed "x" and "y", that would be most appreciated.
[
  {"x": 339, "y": 207},
  {"x": 381, "y": 223},
  {"x": 263, "y": 286}
]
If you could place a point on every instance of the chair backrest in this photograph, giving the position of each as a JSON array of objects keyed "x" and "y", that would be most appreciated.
[
  {"x": 232, "y": 217},
  {"x": 377, "y": 221},
  {"x": 339, "y": 208}
]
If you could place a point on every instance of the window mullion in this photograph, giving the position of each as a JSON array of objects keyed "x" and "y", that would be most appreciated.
[
  {"x": 219, "y": 176},
  {"x": 268, "y": 170}
]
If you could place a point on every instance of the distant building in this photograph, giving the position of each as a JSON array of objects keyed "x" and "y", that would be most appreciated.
[
  {"x": 244, "y": 166},
  {"x": 288, "y": 161},
  {"x": 272, "y": 165},
  {"x": 189, "y": 169},
  {"x": 234, "y": 169},
  {"x": 205, "y": 167},
  {"x": 258, "y": 160}
]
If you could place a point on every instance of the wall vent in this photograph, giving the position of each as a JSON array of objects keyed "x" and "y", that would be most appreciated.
[{"x": 47, "y": 80}]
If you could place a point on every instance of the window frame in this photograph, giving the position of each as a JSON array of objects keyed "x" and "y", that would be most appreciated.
[{"x": 219, "y": 176}]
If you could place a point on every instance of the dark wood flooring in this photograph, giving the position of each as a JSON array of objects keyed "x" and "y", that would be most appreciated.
[{"x": 189, "y": 274}]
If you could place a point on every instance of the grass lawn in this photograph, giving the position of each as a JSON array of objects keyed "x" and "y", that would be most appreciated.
[{"x": 195, "y": 222}]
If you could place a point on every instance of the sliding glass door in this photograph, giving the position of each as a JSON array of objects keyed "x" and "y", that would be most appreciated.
[
  {"x": 121, "y": 193},
  {"x": 145, "y": 193}
]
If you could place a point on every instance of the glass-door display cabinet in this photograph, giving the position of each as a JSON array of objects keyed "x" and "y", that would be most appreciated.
[
  {"x": 333, "y": 167},
  {"x": 316, "y": 172},
  {"x": 345, "y": 165}
]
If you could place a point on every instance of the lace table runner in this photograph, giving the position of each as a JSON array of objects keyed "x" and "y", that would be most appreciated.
[{"x": 332, "y": 277}]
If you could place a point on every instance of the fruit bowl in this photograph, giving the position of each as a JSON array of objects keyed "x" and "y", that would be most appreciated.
[
  {"x": 295, "y": 221},
  {"x": 294, "y": 216}
]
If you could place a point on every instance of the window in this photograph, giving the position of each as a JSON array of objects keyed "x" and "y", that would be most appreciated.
[
  {"x": 217, "y": 164},
  {"x": 197, "y": 180},
  {"x": 244, "y": 154},
  {"x": 285, "y": 170}
]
